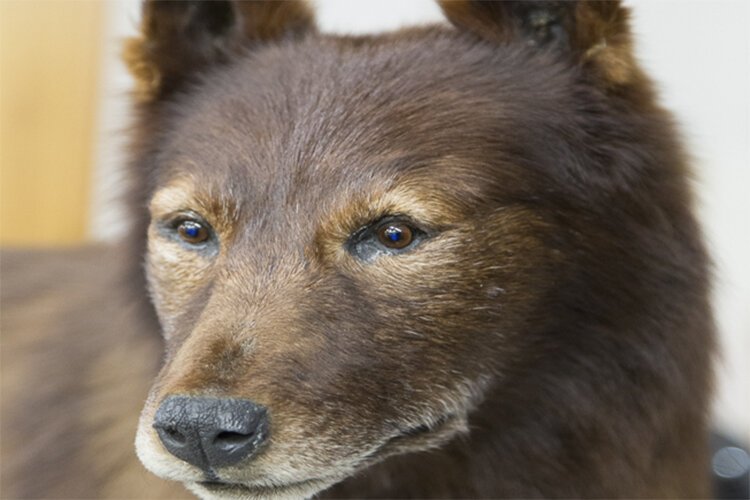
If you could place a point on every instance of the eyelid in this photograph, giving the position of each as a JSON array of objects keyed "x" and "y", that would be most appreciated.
[
  {"x": 179, "y": 216},
  {"x": 376, "y": 224}
]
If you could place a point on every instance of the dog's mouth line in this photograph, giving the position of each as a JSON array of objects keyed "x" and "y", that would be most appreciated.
[
  {"x": 216, "y": 485},
  {"x": 268, "y": 489}
]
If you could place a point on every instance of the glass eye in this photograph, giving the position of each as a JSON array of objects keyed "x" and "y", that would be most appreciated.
[
  {"x": 395, "y": 235},
  {"x": 192, "y": 232},
  {"x": 391, "y": 235}
]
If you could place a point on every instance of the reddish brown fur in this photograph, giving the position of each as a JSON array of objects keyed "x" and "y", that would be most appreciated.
[{"x": 550, "y": 336}]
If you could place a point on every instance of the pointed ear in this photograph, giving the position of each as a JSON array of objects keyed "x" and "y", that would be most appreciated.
[
  {"x": 595, "y": 32},
  {"x": 180, "y": 38}
]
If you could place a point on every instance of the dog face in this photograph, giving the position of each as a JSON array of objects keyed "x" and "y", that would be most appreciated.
[
  {"x": 351, "y": 240},
  {"x": 294, "y": 296}
]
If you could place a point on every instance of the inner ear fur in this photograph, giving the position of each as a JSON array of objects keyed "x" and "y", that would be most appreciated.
[
  {"x": 181, "y": 38},
  {"x": 595, "y": 33}
]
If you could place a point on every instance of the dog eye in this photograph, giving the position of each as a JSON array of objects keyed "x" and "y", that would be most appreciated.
[
  {"x": 391, "y": 235},
  {"x": 193, "y": 232},
  {"x": 395, "y": 235}
]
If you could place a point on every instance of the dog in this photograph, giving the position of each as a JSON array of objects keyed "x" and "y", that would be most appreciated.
[{"x": 449, "y": 261}]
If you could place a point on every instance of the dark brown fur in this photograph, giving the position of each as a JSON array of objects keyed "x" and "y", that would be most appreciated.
[{"x": 551, "y": 334}]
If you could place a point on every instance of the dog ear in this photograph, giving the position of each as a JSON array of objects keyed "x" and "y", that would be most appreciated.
[
  {"x": 596, "y": 33},
  {"x": 180, "y": 38}
]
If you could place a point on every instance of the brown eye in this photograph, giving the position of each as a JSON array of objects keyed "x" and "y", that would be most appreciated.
[
  {"x": 192, "y": 232},
  {"x": 395, "y": 235}
]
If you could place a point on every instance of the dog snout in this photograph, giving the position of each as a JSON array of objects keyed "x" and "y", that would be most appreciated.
[{"x": 211, "y": 432}]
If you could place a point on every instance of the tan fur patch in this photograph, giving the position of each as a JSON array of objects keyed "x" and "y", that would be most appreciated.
[{"x": 603, "y": 38}]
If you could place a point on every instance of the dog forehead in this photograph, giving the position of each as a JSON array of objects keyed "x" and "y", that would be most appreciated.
[{"x": 309, "y": 116}]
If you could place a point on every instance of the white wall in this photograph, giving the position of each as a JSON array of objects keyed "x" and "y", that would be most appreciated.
[
  {"x": 698, "y": 51},
  {"x": 108, "y": 219}
]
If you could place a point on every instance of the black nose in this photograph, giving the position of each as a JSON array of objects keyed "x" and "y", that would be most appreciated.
[{"x": 211, "y": 432}]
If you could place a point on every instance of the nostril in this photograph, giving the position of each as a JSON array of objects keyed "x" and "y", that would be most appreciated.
[
  {"x": 174, "y": 436},
  {"x": 229, "y": 441}
]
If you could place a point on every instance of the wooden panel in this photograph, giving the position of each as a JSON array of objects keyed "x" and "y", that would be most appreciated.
[{"x": 48, "y": 81}]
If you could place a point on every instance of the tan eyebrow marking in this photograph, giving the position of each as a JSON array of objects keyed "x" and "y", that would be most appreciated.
[
  {"x": 415, "y": 200},
  {"x": 177, "y": 195},
  {"x": 182, "y": 195}
]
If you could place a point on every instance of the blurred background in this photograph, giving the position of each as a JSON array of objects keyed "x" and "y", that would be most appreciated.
[{"x": 63, "y": 122}]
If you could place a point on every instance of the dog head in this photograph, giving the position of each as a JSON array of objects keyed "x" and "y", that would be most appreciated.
[{"x": 351, "y": 240}]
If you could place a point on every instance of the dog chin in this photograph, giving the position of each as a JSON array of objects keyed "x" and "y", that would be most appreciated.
[{"x": 228, "y": 491}]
